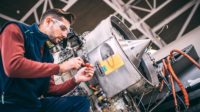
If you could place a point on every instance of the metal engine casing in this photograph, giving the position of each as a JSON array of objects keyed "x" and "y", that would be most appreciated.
[{"x": 127, "y": 76}]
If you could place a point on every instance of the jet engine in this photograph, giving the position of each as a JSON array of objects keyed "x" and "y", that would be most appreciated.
[{"x": 127, "y": 76}]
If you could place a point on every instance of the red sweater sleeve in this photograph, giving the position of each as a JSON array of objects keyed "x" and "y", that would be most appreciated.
[
  {"x": 61, "y": 89},
  {"x": 14, "y": 62}
]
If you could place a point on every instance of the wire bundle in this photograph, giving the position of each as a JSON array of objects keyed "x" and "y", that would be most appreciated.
[{"x": 167, "y": 69}]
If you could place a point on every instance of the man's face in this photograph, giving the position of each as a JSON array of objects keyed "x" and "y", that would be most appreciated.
[{"x": 58, "y": 30}]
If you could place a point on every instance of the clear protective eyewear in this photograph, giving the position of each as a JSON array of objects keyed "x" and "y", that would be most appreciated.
[{"x": 62, "y": 26}]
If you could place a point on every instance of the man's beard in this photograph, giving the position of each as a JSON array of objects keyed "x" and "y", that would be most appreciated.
[{"x": 52, "y": 40}]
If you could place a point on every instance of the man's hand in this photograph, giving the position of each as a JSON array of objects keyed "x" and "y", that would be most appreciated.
[
  {"x": 73, "y": 63},
  {"x": 84, "y": 74}
]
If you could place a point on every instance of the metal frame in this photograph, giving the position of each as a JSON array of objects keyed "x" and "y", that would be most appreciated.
[
  {"x": 188, "y": 19},
  {"x": 7, "y": 17},
  {"x": 33, "y": 10},
  {"x": 125, "y": 10},
  {"x": 174, "y": 15}
]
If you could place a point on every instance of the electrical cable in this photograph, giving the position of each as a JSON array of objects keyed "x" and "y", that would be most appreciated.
[
  {"x": 169, "y": 88},
  {"x": 140, "y": 99},
  {"x": 162, "y": 82},
  {"x": 172, "y": 73},
  {"x": 163, "y": 99},
  {"x": 186, "y": 55},
  {"x": 172, "y": 83},
  {"x": 141, "y": 103},
  {"x": 150, "y": 100},
  {"x": 185, "y": 94}
]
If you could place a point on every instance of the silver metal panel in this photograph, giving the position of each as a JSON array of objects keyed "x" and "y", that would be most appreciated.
[
  {"x": 101, "y": 33},
  {"x": 127, "y": 76},
  {"x": 120, "y": 79}
]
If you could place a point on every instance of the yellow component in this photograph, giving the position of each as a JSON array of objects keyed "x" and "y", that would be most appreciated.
[
  {"x": 105, "y": 109},
  {"x": 101, "y": 98},
  {"x": 111, "y": 64},
  {"x": 49, "y": 44}
]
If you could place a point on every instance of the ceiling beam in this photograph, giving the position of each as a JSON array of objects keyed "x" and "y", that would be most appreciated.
[
  {"x": 174, "y": 15},
  {"x": 140, "y": 8},
  {"x": 33, "y": 10},
  {"x": 50, "y": 4},
  {"x": 45, "y": 6},
  {"x": 36, "y": 17},
  {"x": 28, "y": 14},
  {"x": 154, "y": 11},
  {"x": 128, "y": 14},
  {"x": 180, "y": 34},
  {"x": 7, "y": 17},
  {"x": 69, "y": 3}
]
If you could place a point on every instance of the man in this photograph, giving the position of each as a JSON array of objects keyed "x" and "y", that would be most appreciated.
[{"x": 26, "y": 68}]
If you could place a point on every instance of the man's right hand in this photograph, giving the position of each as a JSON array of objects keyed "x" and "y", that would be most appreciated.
[{"x": 73, "y": 63}]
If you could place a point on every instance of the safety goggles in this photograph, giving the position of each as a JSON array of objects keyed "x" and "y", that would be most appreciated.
[{"x": 62, "y": 26}]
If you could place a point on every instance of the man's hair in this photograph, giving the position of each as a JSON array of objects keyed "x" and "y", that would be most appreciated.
[{"x": 58, "y": 14}]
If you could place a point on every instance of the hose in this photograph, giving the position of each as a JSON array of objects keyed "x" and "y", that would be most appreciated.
[
  {"x": 168, "y": 67},
  {"x": 186, "y": 55},
  {"x": 172, "y": 84},
  {"x": 185, "y": 94}
]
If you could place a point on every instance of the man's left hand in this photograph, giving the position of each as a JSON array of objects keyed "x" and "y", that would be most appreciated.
[{"x": 84, "y": 74}]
